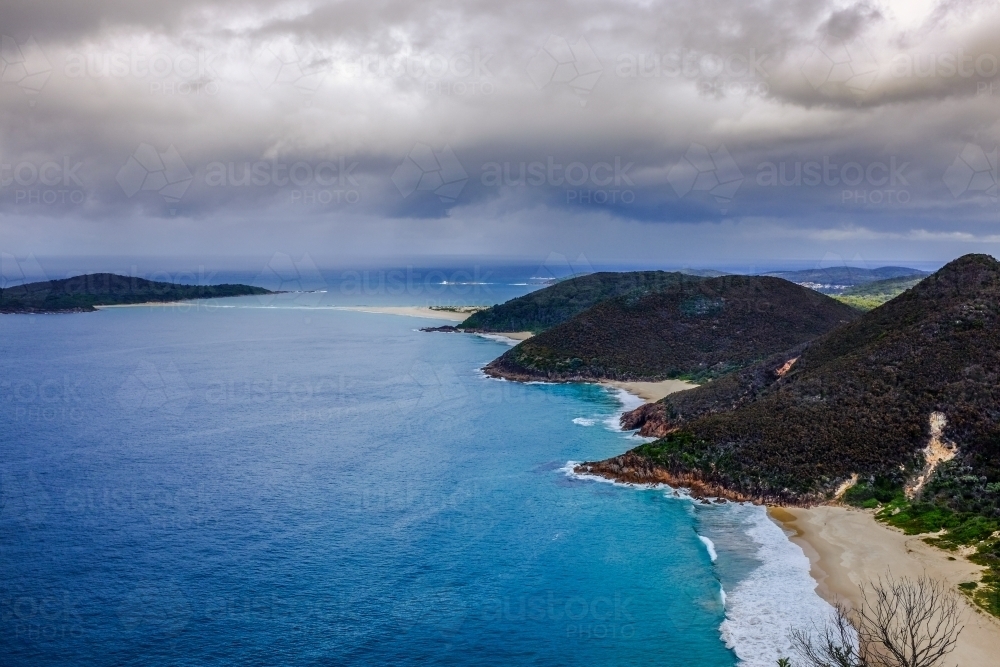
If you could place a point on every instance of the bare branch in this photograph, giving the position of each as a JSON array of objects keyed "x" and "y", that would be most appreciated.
[{"x": 902, "y": 623}]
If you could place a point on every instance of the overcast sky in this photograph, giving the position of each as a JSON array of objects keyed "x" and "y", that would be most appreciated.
[{"x": 680, "y": 131}]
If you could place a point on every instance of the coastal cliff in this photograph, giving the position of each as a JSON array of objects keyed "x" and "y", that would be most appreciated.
[{"x": 630, "y": 468}]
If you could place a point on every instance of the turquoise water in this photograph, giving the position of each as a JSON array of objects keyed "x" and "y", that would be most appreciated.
[{"x": 261, "y": 481}]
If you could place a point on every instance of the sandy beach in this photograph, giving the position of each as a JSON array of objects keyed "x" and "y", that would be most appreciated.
[
  {"x": 848, "y": 547},
  {"x": 146, "y": 304},
  {"x": 434, "y": 314},
  {"x": 410, "y": 311},
  {"x": 649, "y": 391},
  {"x": 517, "y": 335}
]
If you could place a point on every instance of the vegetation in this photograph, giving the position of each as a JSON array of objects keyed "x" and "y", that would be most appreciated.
[
  {"x": 902, "y": 623},
  {"x": 858, "y": 401},
  {"x": 840, "y": 279},
  {"x": 872, "y": 295},
  {"x": 694, "y": 330},
  {"x": 966, "y": 527},
  {"x": 83, "y": 293},
  {"x": 862, "y": 303},
  {"x": 557, "y": 303}
]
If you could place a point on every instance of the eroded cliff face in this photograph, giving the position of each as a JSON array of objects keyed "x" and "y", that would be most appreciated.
[
  {"x": 650, "y": 419},
  {"x": 631, "y": 468}
]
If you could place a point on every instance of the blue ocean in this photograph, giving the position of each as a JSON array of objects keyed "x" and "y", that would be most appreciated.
[{"x": 280, "y": 480}]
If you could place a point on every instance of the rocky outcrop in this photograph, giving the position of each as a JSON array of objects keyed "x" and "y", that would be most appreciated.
[
  {"x": 650, "y": 419},
  {"x": 445, "y": 329},
  {"x": 631, "y": 468}
]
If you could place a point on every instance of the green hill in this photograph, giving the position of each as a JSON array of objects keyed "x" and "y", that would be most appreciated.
[
  {"x": 557, "y": 303},
  {"x": 83, "y": 293},
  {"x": 872, "y": 295},
  {"x": 695, "y": 330}
]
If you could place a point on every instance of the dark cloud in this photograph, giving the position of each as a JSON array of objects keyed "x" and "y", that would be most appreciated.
[{"x": 485, "y": 126}]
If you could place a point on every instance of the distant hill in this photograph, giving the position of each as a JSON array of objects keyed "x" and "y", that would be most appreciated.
[
  {"x": 83, "y": 293},
  {"x": 862, "y": 400},
  {"x": 695, "y": 330},
  {"x": 557, "y": 303},
  {"x": 871, "y": 295},
  {"x": 837, "y": 279}
]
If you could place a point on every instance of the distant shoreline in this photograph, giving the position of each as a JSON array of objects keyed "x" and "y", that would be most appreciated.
[{"x": 409, "y": 311}]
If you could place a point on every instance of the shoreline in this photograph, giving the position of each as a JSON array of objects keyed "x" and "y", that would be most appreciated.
[
  {"x": 146, "y": 304},
  {"x": 516, "y": 336},
  {"x": 649, "y": 392},
  {"x": 409, "y": 311},
  {"x": 847, "y": 547}
]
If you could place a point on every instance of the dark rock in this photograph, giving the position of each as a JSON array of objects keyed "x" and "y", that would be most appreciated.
[{"x": 444, "y": 329}]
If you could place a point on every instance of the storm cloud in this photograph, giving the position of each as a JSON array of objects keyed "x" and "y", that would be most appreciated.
[{"x": 644, "y": 130}]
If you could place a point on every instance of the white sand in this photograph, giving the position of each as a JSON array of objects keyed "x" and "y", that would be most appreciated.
[
  {"x": 410, "y": 311},
  {"x": 848, "y": 548},
  {"x": 650, "y": 391},
  {"x": 517, "y": 335},
  {"x": 432, "y": 313}
]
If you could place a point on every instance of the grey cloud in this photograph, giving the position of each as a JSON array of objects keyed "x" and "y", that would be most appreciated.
[{"x": 259, "y": 112}]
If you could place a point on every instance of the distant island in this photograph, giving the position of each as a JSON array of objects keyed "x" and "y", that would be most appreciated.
[{"x": 86, "y": 292}]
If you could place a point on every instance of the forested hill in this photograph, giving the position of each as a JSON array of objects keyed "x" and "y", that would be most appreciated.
[
  {"x": 838, "y": 279},
  {"x": 695, "y": 330},
  {"x": 83, "y": 293},
  {"x": 857, "y": 401},
  {"x": 557, "y": 303}
]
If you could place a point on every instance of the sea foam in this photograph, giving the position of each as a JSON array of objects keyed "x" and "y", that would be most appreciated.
[
  {"x": 710, "y": 547},
  {"x": 775, "y": 598},
  {"x": 627, "y": 403}
]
